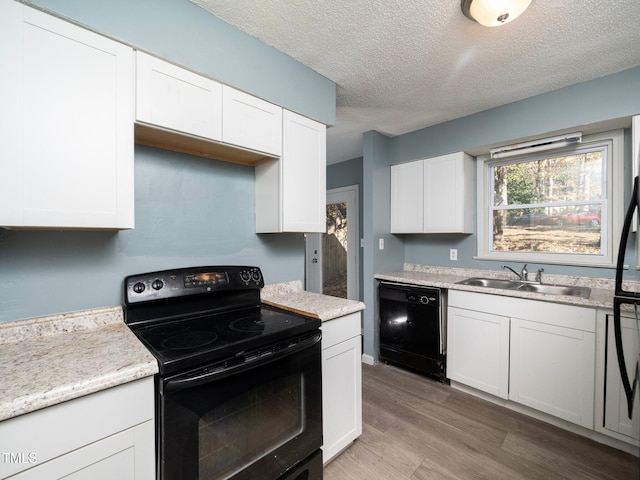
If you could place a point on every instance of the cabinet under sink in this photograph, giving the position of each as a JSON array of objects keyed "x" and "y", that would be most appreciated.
[{"x": 537, "y": 354}]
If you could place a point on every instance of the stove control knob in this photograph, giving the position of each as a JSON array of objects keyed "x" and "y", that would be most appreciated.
[
  {"x": 245, "y": 276},
  {"x": 157, "y": 284},
  {"x": 255, "y": 275},
  {"x": 138, "y": 287}
]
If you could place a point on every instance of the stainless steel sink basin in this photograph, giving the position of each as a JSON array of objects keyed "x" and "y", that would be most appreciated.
[
  {"x": 573, "y": 291},
  {"x": 490, "y": 283}
]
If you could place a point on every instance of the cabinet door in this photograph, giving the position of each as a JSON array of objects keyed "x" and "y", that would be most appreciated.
[
  {"x": 304, "y": 166},
  {"x": 120, "y": 456},
  {"x": 171, "y": 97},
  {"x": 291, "y": 191},
  {"x": 407, "y": 197},
  {"x": 67, "y": 122},
  {"x": 341, "y": 396},
  {"x": 478, "y": 350},
  {"x": 553, "y": 370},
  {"x": 448, "y": 192},
  {"x": 250, "y": 122},
  {"x": 616, "y": 415}
]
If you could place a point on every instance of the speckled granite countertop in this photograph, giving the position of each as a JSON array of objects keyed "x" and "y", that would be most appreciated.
[
  {"x": 48, "y": 360},
  {"x": 291, "y": 296},
  {"x": 443, "y": 277}
]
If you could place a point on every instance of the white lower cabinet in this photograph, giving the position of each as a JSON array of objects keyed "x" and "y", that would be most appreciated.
[
  {"x": 341, "y": 384},
  {"x": 612, "y": 409},
  {"x": 102, "y": 436},
  {"x": 537, "y": 354},
  {"x": 552, "y": 370},
  {"x": 480, "y": 364}
]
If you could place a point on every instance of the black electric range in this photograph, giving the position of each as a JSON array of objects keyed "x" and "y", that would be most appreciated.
[
  {"x": 239, "y": 389},
  {"x": 193, "y": 316}
]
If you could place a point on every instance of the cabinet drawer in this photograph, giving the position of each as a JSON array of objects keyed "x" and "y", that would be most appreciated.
[{"x": 340, "y": 329}]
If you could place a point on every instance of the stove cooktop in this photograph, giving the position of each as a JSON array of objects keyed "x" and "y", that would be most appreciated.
[{"x": 196, "y": 340}]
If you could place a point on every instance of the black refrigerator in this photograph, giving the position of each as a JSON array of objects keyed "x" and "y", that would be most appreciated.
[{"x": 629, "y": 373}]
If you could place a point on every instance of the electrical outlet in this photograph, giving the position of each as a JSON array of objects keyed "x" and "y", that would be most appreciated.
[
  {"x": 381, "y": 244},
  {"x": 453, "y": 254}
]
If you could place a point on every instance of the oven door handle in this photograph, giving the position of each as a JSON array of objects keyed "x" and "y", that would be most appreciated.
[{"x": 177, "y": 384}]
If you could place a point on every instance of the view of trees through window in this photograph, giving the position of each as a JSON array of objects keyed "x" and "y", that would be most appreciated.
[
  {"x": 334, "y": 251},
  {"x": 553, "y": 204}
]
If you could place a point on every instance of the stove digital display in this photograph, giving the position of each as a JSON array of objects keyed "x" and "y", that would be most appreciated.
[{"x": 205, "y": 279}]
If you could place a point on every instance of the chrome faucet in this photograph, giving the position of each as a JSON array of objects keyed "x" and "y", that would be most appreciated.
[
  {"x": 506, "y": 267},
  {"x": 539, "y": 275},
  {"x": 524, "y": 273}
]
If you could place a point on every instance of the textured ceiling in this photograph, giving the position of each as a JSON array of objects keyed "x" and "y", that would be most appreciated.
[{"x": 403, "y": 65}]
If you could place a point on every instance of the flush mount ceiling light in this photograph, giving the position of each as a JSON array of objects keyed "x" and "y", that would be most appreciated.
[{"x": 492, "y": 13}]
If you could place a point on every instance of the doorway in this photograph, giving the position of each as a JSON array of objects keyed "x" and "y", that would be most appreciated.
[{"x": 332, "y": 259}]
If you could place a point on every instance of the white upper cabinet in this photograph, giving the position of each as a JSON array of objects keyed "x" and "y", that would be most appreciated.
[
  {"x": 66, "y": 158},
  {"x": 251, "y": 122},
  {"x": 448, "y": 194},
  {"x": 407, "y": 197},
  {"x": 291, "y": 191},
  {"x": 434, "y": 195},
  {"x": 171, "y": 97}
]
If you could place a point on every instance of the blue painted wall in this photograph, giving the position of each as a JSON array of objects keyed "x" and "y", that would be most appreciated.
[
  {"x": 376, "y": 178},
  {"x": 189, "y": 210},
  {"x": 188, "y": 35},
  {"x": 602, "y": 100}
]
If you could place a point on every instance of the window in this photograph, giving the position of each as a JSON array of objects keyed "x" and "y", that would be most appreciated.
[{"x": 559, "y": 206}]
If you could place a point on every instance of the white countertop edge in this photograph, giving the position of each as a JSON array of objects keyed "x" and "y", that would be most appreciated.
[{"x": 38, "y": 400}]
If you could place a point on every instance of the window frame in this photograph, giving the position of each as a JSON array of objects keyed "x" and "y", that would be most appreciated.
[{"x": 614, "y": 189}]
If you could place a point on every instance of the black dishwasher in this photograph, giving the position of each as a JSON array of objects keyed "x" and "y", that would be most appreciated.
[{"x": 412, "y": 328}]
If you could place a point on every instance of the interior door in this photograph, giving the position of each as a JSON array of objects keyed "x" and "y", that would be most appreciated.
[{"x": 332, "y": 259}]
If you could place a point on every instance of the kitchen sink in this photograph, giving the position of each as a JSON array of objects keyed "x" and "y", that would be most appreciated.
[
  {"x": 491, "y": 283},
  {"x": 583, "y": 292},
  {"x": 519, "y": 285}
]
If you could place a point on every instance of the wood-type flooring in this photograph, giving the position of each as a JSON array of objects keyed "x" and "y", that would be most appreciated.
[{"x": 418, "y": 429}]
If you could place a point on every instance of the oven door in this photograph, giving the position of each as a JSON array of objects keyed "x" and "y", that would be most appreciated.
[{"x": 258, "y": 418}]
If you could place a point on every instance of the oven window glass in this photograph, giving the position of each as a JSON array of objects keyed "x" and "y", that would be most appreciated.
[
  {"x": 257, "y": 423},
  {"x": 244, "y": 428}
]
